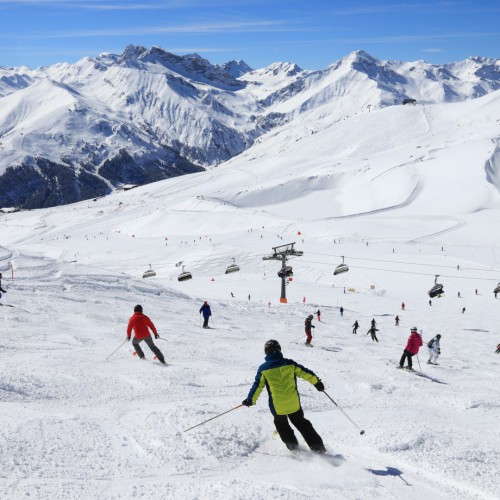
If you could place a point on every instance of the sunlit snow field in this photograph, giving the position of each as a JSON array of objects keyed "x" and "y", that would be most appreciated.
[{"x": 399, "y": 208}]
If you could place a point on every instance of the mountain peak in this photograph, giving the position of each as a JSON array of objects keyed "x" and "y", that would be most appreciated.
[
  {"x": 236, "y": 68},
  {"x": 283, "y": 68}
]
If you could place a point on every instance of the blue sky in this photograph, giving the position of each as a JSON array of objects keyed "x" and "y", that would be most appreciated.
[{"x": 311, "y": 33}]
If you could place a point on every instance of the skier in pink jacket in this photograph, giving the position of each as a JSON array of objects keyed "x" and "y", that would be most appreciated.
[{"x": 412, "y": 347}]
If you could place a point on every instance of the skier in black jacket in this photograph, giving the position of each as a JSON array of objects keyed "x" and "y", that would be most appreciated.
[
  {"x": 372, "y": 330},
  {"x": 1, "y": 289},
  {"x": 308, "y": 328},
  {"x": 355, "y": 327}
]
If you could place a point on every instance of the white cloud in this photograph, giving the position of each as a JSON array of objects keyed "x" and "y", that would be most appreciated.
[{"x": 220, "y": 27}]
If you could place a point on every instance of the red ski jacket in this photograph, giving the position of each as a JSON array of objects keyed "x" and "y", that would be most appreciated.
[
  {"x": 414, "y": 343},
  {"x": 140, "y": 323}
]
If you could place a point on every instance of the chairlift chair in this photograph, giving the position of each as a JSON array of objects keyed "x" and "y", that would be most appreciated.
[
  {"x": 497, "y": 289},
  {"x": 341, "y": 268},
  {"x": 149, "y": 273},
  {"x": 285, "y": 272},
  {"x": 437, "y": 289},
  {"x": 185, "y": 275},
  {"x": 232, "y": 268}
]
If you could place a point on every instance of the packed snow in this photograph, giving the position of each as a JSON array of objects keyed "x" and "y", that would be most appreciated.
[{"x": 403, "y": 194}]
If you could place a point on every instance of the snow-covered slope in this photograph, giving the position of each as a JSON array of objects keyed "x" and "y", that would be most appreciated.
[
  {"x": 147, "y": 114},
  {"x": 400, "y": 193}
]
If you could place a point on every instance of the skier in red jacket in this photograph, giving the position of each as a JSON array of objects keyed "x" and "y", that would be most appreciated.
[
  {"x": 412, "y": 347},
  {"x": 141, "y": 325}
]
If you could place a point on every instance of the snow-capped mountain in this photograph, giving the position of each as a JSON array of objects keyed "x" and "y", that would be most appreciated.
[{"x": 75, "y": 131}]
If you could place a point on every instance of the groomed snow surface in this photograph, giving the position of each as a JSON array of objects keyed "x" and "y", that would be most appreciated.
[{"x": 400, "y": 208}]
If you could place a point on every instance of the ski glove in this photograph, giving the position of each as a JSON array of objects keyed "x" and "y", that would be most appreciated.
[
  {"x": 319, "y": 385},
  {"x": 157, "y": 336},
  {"x": 128, "y": 338},
  {"x": 245, "y": 402}
]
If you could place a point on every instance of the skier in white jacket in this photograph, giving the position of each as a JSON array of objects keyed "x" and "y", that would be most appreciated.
[{"x": 434, "y": 350}]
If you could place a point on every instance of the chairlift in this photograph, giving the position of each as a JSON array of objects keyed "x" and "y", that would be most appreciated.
[
  {"x": 341, "y": 268},
  {"x": 437, "y": 289},
  {"x": 497, "y": 289},
  {"x": 232, "y": 268},
  {"x": 285, "y": 272},
  {"x": 185, "y": 275},
  {"x": 149, "y": 273}
]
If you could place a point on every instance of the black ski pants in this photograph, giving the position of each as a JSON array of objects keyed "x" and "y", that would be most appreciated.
[
  {"x": 205, "y": 321},
  {"x": 303, "y": 425},
  {"x": 151, "y": 345},
  {"x": 406, "y": 355},
  {"x": 374, "y": 336}
]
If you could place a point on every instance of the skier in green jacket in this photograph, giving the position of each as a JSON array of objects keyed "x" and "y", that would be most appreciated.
[{"x": 279, "y": 376}]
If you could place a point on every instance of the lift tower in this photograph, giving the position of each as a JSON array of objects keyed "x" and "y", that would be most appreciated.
[{"x": 283, "y": 253}]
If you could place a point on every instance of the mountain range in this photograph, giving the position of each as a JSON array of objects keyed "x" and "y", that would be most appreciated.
[{"x": 71, "y": 132}]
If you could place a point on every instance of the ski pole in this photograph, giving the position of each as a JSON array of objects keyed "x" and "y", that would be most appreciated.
[
  {"x": 350, "y": 419},
  {"x": 302, "y": 336},
  {"x": 419, "y": 364},
  {"x": 116, "y": 349},
  {"x": 216, "y": 416}
]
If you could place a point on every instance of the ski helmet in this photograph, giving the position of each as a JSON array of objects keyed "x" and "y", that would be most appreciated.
[
  {"x": 138, "y": 308},
  {"x": 414, "y": 329},
  {"x": 438, "y": 336},
  {"x": 310, "y": 316},
  {"x": 272, "y": 346}
]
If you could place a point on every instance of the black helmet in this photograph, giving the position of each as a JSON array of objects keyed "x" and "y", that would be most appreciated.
[
  {"x": 272, "y": 346},
  {"x": 438, "y": 336},
  {"x": 138, "y": 308},
  {"x": 310, "y": 316}
]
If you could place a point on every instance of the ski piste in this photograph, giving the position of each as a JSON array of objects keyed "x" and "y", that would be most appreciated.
[
  {"x": 16, "y": 307},
  {"x": 419, "y": 374},
  {"x": 302, "y": 453}
]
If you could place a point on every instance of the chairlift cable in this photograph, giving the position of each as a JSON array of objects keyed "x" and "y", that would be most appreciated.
[{"x": 407, "y": 263}]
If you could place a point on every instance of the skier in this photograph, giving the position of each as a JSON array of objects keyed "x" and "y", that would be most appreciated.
[
  {"x": 412, "y": 347},
  {"x": 232, "y": 294},
  {"x": 373, "y": 322},
  {"x": 372, "y": 330},
  {"x": 458, "y": 294},
  {"x": 248, "y": 296},
  {"x": 355, "y": 327},
  {"x": 141, "y": 325},
  {"x": 308, "y": 329},
  {"x": 476, "y": 291},
  {"x": 402, "y": 306},
  {"x": 396, "y": 319},
  {"x": 205, "y": 310},
  {"x": 318, "y": 314},
  {"x": 430, "y": 302},
  {"x": 434, "y": 350},
  {"x": 498, "y": 349},
  {"x": 463, "y": 310},
  {"x": 279, "y": 376},
  {"x": 341, "y": 311},
  {"x": 1, "y": 289}
]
